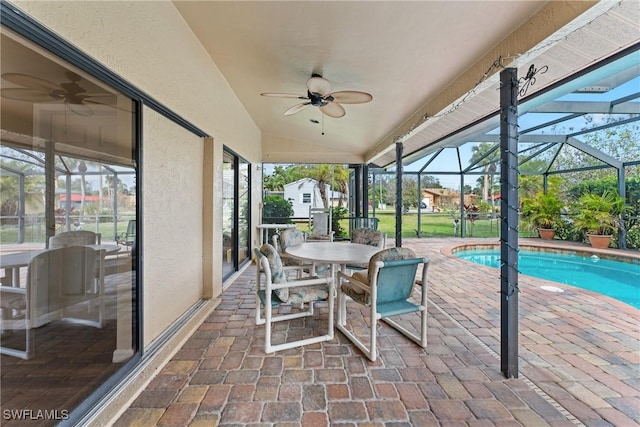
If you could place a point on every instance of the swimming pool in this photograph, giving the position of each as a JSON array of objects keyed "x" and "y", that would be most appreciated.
[{"x": 619, "y": 280}]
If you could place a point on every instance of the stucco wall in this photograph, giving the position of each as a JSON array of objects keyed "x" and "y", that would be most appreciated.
[
  {"x": 148, "y": 44},
  {"x": 172, "y": 200}
]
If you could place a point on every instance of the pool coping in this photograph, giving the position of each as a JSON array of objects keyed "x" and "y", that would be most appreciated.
[{"x": 558, "y": 246}]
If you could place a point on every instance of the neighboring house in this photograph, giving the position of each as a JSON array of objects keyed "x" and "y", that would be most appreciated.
[
  {"x": 439, "y": 198},
  {"x": 76, "y": 200},
  {"x": 302, "y": 194},
  {"x": 305, "y": 193}
]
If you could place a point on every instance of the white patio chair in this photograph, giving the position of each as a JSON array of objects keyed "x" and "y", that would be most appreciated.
[
  {"x": 74, "y": 238},
  {"x": 386, "y": 289},
  {"x": 320, "y": 224},
  {"x": 278, "y": 290},
  {"x": 60, "y": 283}
]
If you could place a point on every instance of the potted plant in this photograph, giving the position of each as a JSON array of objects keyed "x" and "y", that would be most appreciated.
[
  {"x": 599, "y": 216},
  {"x": 542, "y": 213}
]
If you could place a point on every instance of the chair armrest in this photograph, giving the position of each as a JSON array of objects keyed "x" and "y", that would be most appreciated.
[
  {"x": 294, "y": 267},
  {"x": 303, "y": 282},
  {"x": 356, "y": 283},
  {"x": 13, "y": 290}
]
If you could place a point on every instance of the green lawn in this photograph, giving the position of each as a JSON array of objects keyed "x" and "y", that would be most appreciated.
[
  {"x": 434, "y": 225},
  {"x": 35, "y": 232}
]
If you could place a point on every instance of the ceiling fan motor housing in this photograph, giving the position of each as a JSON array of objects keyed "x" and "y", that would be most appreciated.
[{"x": 318, "y": 100}]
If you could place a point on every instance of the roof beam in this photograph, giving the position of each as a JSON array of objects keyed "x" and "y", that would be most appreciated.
[
  {"x": 588, "y": 107},
  {"x": 594, "y": 152},
  {"x": 523, "y": 138}
]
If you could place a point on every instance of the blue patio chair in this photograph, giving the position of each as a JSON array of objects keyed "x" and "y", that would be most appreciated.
[
  {"x": 386, "y": 289},
  {"x": 278, "y": 290}
]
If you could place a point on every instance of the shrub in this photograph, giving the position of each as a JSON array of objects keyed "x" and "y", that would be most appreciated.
[
  {"x": 337, "y": 213},
  {"x": 276, "y": 210}
]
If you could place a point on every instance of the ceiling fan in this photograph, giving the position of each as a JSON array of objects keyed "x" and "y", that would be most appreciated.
[
  {"x": 35, "y": 89},
  {"x": 319, "y": 95}
]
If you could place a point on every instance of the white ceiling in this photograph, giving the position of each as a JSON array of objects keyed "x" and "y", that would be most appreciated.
[{"x": 406, "y": 54}]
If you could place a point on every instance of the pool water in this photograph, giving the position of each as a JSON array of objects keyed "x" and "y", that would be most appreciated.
[{"x": 619, "y": 280}]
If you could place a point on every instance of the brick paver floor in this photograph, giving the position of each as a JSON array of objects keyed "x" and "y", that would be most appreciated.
[{"x": 579, "y": 363}]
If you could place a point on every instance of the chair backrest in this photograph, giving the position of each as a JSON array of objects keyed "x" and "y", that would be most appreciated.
[
  {"x": 59, "y": 278},
  {"x": 320, "y": 224},
  {"x": 290, "y": 237},
  {"x": 131, "y": 230},
  {"x": 273, "y": 268},
  {"x": 74, "y": 238},
  {"x": 394, "y": 271},
  {"x": 367, "y": 236},
  {"x": 365, "y": 222}
]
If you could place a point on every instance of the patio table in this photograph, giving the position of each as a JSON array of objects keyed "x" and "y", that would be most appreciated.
[{"x": 334, "y": 253}]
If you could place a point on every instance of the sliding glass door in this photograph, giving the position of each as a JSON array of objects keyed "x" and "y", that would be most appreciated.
[
  {"x": 68, "y": 172},
  {"x": 236, "y": 233}
]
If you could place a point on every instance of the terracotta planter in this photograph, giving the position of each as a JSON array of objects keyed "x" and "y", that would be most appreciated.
[
  {"x": 599, "y": 240},
  {"x": 547, "y": 233}
]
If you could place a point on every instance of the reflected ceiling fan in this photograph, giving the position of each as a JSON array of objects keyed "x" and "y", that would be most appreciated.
[
  {"x": 319, "y": 95},
  {"x": 35, "y": 89}
]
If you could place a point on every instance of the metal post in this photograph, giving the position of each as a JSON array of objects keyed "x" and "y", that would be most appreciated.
[
  {"x": 114, "y": 205},
  {"x": 373, "y": 191},
  {"x": 68, "y": 203},
  {"x": 358, "y": 189},
  {"x": 399, "y": 207},
  {"x": 463, "y": 219},
  {"x": 419, "y": 231},
  {"x": 21, "y": 209},
  {"x": 622, "y": 191},
  {"x": 509, "y": 222},
  {"x": 365, "y": 191},
  {"x": 49, "y": 195}
]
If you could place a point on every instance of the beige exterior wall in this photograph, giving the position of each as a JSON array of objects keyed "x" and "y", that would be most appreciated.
[
  {"x": 172, "y": 223},
  {"x": 131, "y": 39}
]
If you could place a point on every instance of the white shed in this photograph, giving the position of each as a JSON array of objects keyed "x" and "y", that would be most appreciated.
[{"x": 302, "y": 194}]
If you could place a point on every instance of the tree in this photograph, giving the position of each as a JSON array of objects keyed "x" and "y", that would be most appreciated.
[
  {"x": 485, "y": 155},
  {"x": 620, "y": 142},
  {"x": 341, "y": 179},
  {"x": 281, "y": 175},
  {"x": 323, "y": 175},
  {"x": 428, "y": 181}
]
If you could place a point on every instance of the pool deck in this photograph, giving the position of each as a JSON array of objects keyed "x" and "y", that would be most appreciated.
[{"x": 579, "y": 362}]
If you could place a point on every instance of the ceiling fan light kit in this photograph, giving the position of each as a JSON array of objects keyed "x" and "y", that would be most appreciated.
[{"x": 319, "y": 95}]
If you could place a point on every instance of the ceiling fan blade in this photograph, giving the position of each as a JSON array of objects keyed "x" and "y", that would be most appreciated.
[
  {"x": 318, "y": 84},
  {"x": 107, "y": 104},
  {"x": 296, "y": 108},
  {"x": 31, "y": 82},
  {"x": 95, "y": 94},
  {"x": 80, "y": 109},
  {"x": 333, "y": 109},
  {"x": 24, "y": 94},
  {"x": 351, "y": 97},
  {"x": 284, "y": 95}
]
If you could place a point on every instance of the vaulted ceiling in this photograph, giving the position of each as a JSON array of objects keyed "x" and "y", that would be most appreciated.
[{"x": 431, "y": 66}]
